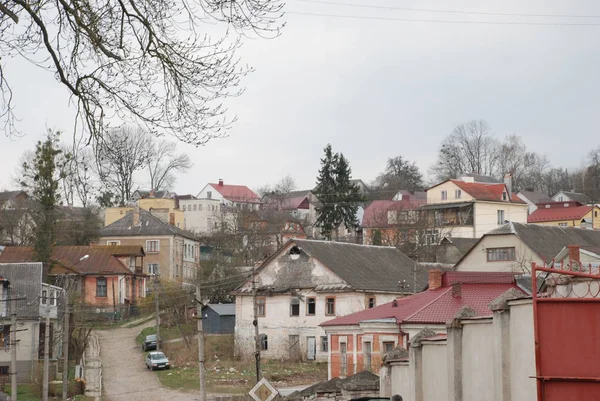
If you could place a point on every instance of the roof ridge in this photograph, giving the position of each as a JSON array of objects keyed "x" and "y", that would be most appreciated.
[
  {"x": 428, "y": 304},
  {"x": 344, "y": 243}
]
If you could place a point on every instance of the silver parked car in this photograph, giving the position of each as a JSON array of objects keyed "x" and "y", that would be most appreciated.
[{"x": 157, "y": 360}]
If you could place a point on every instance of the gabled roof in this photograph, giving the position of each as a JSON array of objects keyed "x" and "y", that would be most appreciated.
[
  {"x": 236, "y": 193},
  {"x": 437, "y": 306},
  {"x": 576, "y": 196},
  {"x": 545, "y": 241},
  {"x": 8, "y": 195},
  {"x": 362, "y": 267},
  {"x": 486, "y": 191},
  {"x": 376, "y": 213},
  {"x": 222, "y": 309},
  {"x": 558, "y": 213},
  {"x": 535, "y": 197},
  {"x": 147, "y": 225},
  {"x": 289, "y": 201},
  {"x": 464, "y": 245},
  {"x": 67, "y": 259}
]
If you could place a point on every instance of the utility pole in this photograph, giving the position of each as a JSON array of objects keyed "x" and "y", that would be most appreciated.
[
  {"x": 65, "y": 379},
  {"x": 46, "y": 355},
  {"x": 156, "y": 284},
  {"x": 13, "y": 347},
  {"x": 256, "y": 331},
  {"x": 200, "y": 344},
  {"x": 414, "y": 276}
]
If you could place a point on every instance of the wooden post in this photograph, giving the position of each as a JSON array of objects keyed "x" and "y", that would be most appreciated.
[{"x": 200, "y": 344}]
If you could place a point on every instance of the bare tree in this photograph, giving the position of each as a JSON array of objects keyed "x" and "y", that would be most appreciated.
[
  {"x": 164, "y": 162},
  {"x": 399, "y": 174},
  {"x": 526, "y": 168},
  {"x": 84, "y": 183},
  {"x": 145, "y": 62},
  {"x": 119, "y": 156},
  {"x": 470, "y": 148}
]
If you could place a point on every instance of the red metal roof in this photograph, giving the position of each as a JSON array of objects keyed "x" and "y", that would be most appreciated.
[
  {"x": 376, "y": 213},
  {"x": 555, "y": 213},
  {"x": 439, "y": 305},
  {"x": 486, "y": 191},
  {"x": 101, "y": 260},
  {"x": 236, "y": 193}
]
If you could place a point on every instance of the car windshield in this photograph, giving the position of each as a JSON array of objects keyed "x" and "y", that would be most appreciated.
[
  {"x": 151, "y": 337},
  {"x": 158, "y": 355}
]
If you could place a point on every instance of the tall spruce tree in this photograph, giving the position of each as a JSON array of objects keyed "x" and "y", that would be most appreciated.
[
  {"x": 338, "y": 197},
  {"x": 41, "y": 178}
]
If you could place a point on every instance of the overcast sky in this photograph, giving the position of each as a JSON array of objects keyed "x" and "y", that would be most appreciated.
[{"x": 377, "y": 87}]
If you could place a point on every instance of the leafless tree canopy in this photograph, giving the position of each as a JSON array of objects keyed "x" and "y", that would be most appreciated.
[
  {"x": 164, "y": 162},
  {"x": 147, "y": 62}
]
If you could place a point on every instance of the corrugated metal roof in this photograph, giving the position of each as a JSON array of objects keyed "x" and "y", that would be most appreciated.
[
  {"x": 26, "y": 282},
  {"x": 148, "y": 225},
  {"x": 223, "y": 309}
]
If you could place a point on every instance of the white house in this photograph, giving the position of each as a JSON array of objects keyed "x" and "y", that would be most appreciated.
[
  {"x": 307, "y": 282},
  {"x": 566, "y": 196}
]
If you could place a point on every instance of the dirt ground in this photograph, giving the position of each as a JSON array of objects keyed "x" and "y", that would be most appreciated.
[{"x": 124, "y": 374}]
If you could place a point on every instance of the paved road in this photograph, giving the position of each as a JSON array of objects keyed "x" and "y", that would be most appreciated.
[{"x": 124, "y": 374}]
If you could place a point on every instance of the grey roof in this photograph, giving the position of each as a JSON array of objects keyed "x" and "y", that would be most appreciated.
[
  {"x": 26, "y": 282},
  {"x": 464, "y": 245},
  {"x": 576, "y": 196},
  {"x": 548, "y": 241},
  {"x": 482, "y": 178},
  {"x": 536, "y": 197},
  {"x": 148, "y": 225},
  {"x": 223, "y": 309},
  {"x": 365, "y": 267},
  {"x": 7, "y": 195}
]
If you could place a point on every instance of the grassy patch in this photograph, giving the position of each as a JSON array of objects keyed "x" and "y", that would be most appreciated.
[
  {"x": 167, "y": 333},
  {"x": 25, "y": 392}
]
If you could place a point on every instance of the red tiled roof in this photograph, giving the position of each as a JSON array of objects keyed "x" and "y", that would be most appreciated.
[
  {"x": 555, "y": 214},
  {"x": 101, "y": 260},
  {"x": 240, "y": 193},
  {"x": 376, "y": 213},
  {"x": 485, "y": 191},
  {"x": 439, "y": 305}
]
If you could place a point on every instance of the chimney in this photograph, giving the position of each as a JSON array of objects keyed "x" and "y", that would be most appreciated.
[
  {"x": 574, "y": 254},
  {"x": 136, "y": 217},
  {"x": 152, "y": 193},
  {"x": 220, "y": 182},
  {"x": 435, "y": 279},
  {"x": 456, "y": 290},
  {"x": 467, "y": 179},
  {"x": 508, "y": 183}
]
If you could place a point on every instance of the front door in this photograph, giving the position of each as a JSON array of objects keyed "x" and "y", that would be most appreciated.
[{"x": 311, "y": 348}]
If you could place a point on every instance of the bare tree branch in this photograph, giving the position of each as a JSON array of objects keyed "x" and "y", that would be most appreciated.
[{"x": 164, "y": 162}]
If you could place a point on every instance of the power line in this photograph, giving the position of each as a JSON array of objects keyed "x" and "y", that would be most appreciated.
[
  {"x": 362, "y": 17},
  {"x": 449, "y": 11}
]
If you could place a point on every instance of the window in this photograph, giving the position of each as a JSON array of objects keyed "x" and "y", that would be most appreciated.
[
  {"x": 101, "y": 287},
  {"x": 563, "y": 224},
  {"x": 53, "y": 298},
  {"x": 152, "y": 246},
  {"x": 329, "y": 306},
  {"x": 295, "y": 307},
  {"x": 44, "y": 297},
  {"x": 560, "y": 198},
  {"x": 388, "y": 346},
  {"x": 200, "y": 207},
  {"x": 367, "y": 354},
  {"x": 344, "y": 359},
  {"x": 195, "y": 207},
  {"x": 311, "y": 306},
  {"x": 5, "y": 337},
  {"x": 595, "y": 213},
  {"x": 500, "y": 217},
  {"x": 209, "y": 194},
  {"x": 457, "y": 193},
  {"x": 444, "y": 195},
  {"x": 504, "y": 196},
  {"x": 264, "y": 342},
  {"x": 324, "y": 344},
  {"x": 261, "y": 304},
  {"x": 153, "y": 269},
  {"x": 500, "y": 254},
  {"x": 371, "y": 302},
  {"x": 113, "y": 243}
]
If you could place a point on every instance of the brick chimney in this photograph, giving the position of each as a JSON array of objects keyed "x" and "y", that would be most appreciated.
[
  {"x": 435, "y": 279},
  {"x": 456, "y": 290},
  {"x": 136, "y": 217},
  {"x": 220, "y": 182},
  {"x": 574, "y": 254}
]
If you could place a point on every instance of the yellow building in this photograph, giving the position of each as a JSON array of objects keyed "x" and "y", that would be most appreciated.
[
  {"x": 566, "y": 214},
  {"x": 165, "y": 209},
  {"x": 465, "y": 208}
]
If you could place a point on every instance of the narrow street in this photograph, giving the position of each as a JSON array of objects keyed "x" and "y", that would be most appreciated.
[{"x": 124, "y": 375}]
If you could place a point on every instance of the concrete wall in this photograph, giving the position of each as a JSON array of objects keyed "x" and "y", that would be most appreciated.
[
  {"x": 199, "y": 213},
  {"x": 476, "y": 259},
  {"x": 481, "y": 359},
  {"x": 434, "y": 195},
  {"x": 486, "y": 215}
]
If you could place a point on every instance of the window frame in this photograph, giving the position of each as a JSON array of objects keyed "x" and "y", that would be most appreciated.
[
  {"x": 114, "y": 242},
  {"x": 457, "y": 194},
  {"x": 314, "y": 306},
  {"x": 369, "y": 304},
  {"x": 258, "y": 306},
  {"x": 263, "y": 340},
  {"x": 367, "y": 356},
  {"x": 324, "y": 344},
  {"x": 98, "y": 286},
  {"x": 500, "y": 216},
  {"x": 500, "y": 251},
  {"x": 386, "y": 343},
  {"x": 148, "y": 250},
  {"x": 294, "y": 307},
  {"x": 444, "y": 195},
  {"x": 327, "y": 303}
]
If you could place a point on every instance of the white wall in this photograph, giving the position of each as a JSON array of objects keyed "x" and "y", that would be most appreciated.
[
  {"x": 486, "y": 215},
  {"x": 199, "y": 220},
  {"x": 522, "y": 351},
  {"x": 478, "y": 360},
  {"x": 435, "y": 371}
]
